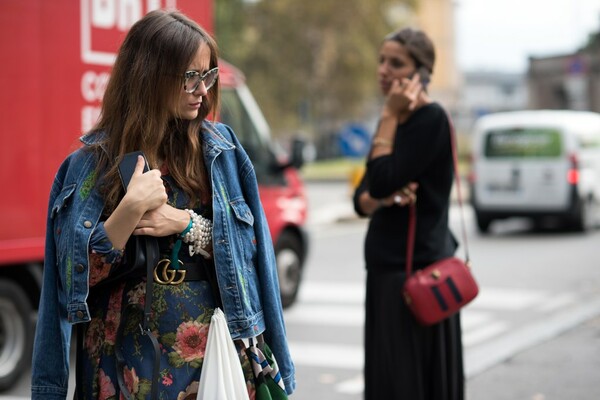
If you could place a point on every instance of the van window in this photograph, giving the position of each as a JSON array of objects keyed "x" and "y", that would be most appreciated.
[{"x": 530, "y": 142}]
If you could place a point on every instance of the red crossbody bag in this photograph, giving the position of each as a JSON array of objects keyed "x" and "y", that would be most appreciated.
[{"x": 444, "y": 287}]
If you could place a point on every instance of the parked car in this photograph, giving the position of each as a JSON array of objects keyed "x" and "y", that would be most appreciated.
[{"x": 537, "y": 164}]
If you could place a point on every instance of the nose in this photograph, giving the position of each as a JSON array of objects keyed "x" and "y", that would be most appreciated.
[
  {"x": 382, "y": 69},
  {"x": 200, "y": 90}
]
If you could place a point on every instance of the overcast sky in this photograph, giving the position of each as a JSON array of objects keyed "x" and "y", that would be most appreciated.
[{"x": 500, "y": 34}]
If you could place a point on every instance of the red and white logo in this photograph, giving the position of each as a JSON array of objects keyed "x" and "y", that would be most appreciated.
[{"x": 105, "y": 22}]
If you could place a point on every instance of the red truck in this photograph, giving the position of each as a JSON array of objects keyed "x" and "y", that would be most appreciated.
[{"x": 57, "y": 60}]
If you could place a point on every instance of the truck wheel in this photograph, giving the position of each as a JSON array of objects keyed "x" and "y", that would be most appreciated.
[
  {"x": 290, "y": 257},
  {"x": 16, "y": 333}
]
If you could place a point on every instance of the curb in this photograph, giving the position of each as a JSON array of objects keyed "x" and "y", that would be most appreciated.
[{"x": 494, "y": 352}]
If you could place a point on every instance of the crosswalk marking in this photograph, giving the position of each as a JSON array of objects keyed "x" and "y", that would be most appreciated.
[
  {"x": 326, "y": 315},
  {"x": 508, "y": 299},
  {"x": 489, "y": 297},
  {"x": 557, "y": 302},
  {"x": 351, "y": 386},
  {"x": 332, "y": 292},
  {"x": 481, "y": 334},
  {"x": 341, "y": 304},
  {"x": 327, "y": 355}
]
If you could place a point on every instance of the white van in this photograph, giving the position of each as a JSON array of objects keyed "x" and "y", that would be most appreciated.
[{"x": 538, "y": 164}]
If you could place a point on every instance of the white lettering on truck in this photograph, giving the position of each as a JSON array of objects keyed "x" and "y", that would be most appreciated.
[{"x": 103, "y": 23}]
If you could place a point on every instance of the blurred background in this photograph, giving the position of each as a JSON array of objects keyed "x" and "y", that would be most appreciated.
[
  {"x": 532, "y": 333},
  {"x": 312, "y": 65}
]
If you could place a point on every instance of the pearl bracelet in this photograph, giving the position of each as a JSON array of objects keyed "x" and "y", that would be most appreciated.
[{"x": 199, "y": 235}]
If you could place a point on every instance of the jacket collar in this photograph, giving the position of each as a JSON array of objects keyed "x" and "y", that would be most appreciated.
[{"x": 213, "y": 137}]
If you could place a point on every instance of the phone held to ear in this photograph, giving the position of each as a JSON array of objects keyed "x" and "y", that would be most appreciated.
[
  {"x": 423, "y": 76},
  {"x": 127, "y": 166}
]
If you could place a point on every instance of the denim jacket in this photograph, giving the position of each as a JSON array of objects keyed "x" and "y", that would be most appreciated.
[{"x": 243, "y": 254}]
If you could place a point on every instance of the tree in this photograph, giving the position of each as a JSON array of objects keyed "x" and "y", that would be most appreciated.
[{"x": 311, "y": 64}]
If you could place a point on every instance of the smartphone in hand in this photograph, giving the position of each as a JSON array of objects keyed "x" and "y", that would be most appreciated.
[
  {"x": 127, "y": 166},
  {"x": 423, "y": 76}
]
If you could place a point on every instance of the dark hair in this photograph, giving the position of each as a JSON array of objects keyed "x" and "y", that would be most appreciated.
[
  {"x": 145, "y": 83},
  {"x": 419, "y": 47}
]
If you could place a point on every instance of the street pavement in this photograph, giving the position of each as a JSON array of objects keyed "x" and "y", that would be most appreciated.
[
  {"x": 565, "y": 367},
  {"x": 554, "y": 358}
]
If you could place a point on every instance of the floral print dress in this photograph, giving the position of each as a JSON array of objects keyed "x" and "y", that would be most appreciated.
[{"x": 180, "y": 320}]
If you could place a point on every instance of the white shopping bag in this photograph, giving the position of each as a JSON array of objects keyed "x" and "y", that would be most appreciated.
[{"x": 221, "y": 377}]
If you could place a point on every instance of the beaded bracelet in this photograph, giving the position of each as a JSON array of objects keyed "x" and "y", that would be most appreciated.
[
  {"x": 382, "y": 142},
  {"x": 199, "y": 235}
]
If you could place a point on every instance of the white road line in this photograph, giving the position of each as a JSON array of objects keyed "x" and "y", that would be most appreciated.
[
  {"x": 508, "y": 299},
  {"x": 475, "y": 336},
  {"x": 470, "y": 319},
  {"x": 482, "y": 357},
  {"x": 327, "y": 355},
  {"x": 488, "y": 298},
  {"x": 330, "y": 213},
  {"x": 557, "y": 302},
  {"x": 355, "y": 385},
  {"x": 332, "y": 292},
  {"x": 341, "y": 304},
  {"x": 326, "y": 315}
]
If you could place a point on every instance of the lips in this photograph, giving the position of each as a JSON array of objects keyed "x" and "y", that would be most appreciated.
[{"x": 196, "y": 105}]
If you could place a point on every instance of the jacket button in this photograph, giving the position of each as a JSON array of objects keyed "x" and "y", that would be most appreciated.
[
  {"x": 87, "y": 224},
  {"x": 80, "y": 268},
  {"x": 79, "y": 314}
]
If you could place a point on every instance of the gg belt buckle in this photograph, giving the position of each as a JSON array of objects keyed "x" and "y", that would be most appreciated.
[{"x": 165, "y": 275}]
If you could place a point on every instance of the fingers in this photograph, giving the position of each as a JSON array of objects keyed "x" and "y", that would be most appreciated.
[
  {"x": 139, "y": 166},
  {"x": 406, "y": 195},
  {"x": 404, "y": 94},
  {"x": 146, "y": 189}
]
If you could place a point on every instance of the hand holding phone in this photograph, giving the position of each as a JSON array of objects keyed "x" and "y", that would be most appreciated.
[
  {"x": 127, "y": 167},
  {"x": 148, "y": 188}
]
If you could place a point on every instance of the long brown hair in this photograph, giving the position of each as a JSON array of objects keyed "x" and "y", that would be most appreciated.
[{"x": 145, "y": 82}]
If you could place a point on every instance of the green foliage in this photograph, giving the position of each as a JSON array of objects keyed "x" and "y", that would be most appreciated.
[{"x": 309, "y": 63}]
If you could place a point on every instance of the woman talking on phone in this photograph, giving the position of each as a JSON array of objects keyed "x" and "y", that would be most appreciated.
[{"x": 410, "y": 161}]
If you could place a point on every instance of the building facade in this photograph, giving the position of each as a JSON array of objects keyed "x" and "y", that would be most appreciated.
[{"x": 570, "y": 81}]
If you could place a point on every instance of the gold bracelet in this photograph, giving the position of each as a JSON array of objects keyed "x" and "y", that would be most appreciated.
[{"x": 382, "y": 142}]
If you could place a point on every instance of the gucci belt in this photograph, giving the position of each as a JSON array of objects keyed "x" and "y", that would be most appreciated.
[{"x": 164, "y": 274}]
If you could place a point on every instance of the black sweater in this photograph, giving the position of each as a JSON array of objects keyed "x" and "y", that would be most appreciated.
[{"x": 422, "y": 153}]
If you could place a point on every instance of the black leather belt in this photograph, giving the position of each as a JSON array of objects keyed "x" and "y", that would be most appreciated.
[{"x": 164, "y": 274}]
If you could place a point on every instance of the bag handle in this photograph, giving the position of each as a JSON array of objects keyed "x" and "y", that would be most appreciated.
[{"x": 412, "y": 211}]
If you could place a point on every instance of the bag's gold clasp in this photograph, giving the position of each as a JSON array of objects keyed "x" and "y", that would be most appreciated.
[{"x": 165, "y": 275}]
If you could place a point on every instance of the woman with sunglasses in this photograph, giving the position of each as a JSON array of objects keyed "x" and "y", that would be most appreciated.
[{"x": 199, "y": 199}]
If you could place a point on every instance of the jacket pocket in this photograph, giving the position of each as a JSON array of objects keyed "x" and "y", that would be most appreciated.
[
  {"x": 61, "y": 221},
  {"x": 62, "y": 199},
  {"x": 242, "y": 211}
]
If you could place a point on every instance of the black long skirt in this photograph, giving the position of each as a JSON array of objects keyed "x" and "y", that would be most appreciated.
[{"x": 404, "y": 360}]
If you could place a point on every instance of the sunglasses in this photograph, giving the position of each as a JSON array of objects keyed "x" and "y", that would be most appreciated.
[{"x": 192, "y": 79}]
